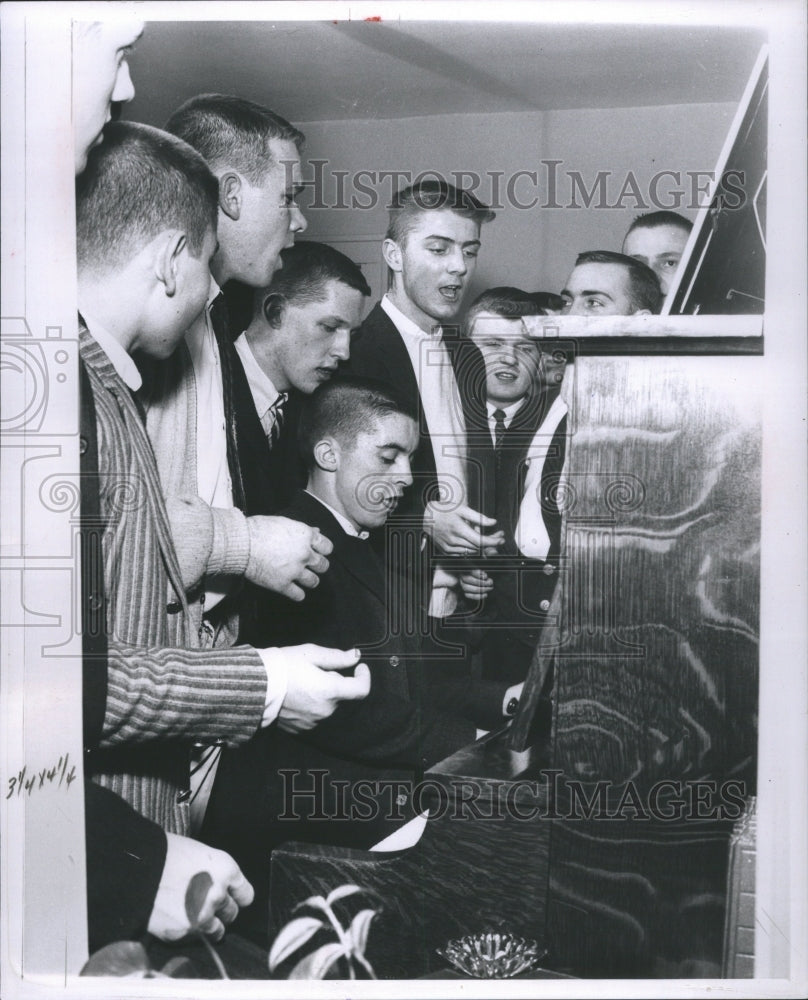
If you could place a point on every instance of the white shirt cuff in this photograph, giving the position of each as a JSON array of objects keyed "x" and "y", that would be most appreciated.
[{"x": 277, "y": 682}]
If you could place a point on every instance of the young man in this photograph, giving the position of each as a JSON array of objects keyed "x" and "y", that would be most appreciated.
[
  {"x": 527, "y": 424},
  {"x": 359, "y": 441},
  {"x": 658, "y": 239},
  {"x": 604, "y": 283},
  {"x": 300, "y": 331},
  {"x": 407, "y": 341},
  {"x": 146, "y": 231},
  {"x": 201, "y": 396}
]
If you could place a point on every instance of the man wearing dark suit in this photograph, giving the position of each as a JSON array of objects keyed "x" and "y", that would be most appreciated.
[
  {"x": 300, "y": 331},
  {"x": 360, "y": 441},
  {"x": 408, "y": 341},
  {"x": 527, "y": 425}
]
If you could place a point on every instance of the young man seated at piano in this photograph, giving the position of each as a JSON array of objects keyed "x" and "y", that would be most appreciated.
[
  {"x": 527, "y": 421},
  {"x": 358, "y": 441}
]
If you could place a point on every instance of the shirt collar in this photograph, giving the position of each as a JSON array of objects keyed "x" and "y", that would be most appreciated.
[
  {"x": 264, "y": 393},
  {"x": 403, "y": 323},
  {"x": 120, "y": 360},
  {"x": 341, "y": 519},
  {"x": 213, "y": 292},
  {"x": 508, "y": 411}
]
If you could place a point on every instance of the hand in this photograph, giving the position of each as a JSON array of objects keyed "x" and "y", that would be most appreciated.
[
  {"x": 459, "y": 532},
  {"x": 476, "y": 584},
  {"x": 286, "y": 555},
  {"x": 313, "y": 690},
  {"x": 229, "y": 892}
]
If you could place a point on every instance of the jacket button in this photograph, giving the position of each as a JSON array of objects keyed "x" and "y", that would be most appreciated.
[
  {"x": 544, "y": 605},
  {"x": 401, "y": 799},
  {"x": 183, "y": 796},
  {"x": 95, "y": 602},
  {"x": 549, "y": 569},
  {"x": 394, "y": 661},
  {"x": 174, "y": 608},
  {"x": 83, "y": 445}
]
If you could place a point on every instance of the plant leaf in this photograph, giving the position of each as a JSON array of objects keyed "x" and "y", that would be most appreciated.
[
  {"x": 179, "y": 967},
  {"x": 291, "y": 937},
  {"x": 316, "y": 965},
  {"x": 342, "y": 892},
  {"x": 358, "y": 932},
  {"x": 195, "y": 896},
  {"x": 121, "y": 958},
  {"x": 316, "y": 901}
]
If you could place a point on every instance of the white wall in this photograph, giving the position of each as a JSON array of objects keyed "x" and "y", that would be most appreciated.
[{"x": 534, "y": 247}]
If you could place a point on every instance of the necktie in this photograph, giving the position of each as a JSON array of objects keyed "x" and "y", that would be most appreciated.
[
  {"x": 221, "y": 330},
  {"x": 275, "y": 418},
  {"x": 499, "y": 427}
]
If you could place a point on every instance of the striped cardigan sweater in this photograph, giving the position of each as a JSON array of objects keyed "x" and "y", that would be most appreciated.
[{"x": 164, "y": 691}]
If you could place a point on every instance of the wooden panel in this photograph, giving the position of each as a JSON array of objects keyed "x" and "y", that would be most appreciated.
[
  {"x": 480, "y": 864},
  {"x": 656, "y": 661}
]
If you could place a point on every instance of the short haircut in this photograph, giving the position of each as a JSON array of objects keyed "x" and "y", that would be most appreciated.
[
  {"x": 645, "y": 291},
  {"x": 504, "y": 301},
  {"x": 138, "y": 183},
  {"x": 232, "y": 132},
  {"x": 652, "y": 220},
  {"x": 344, "y": 409},
  {"x": 430, "y": 196},
  {"x": 308, "y": 268}
]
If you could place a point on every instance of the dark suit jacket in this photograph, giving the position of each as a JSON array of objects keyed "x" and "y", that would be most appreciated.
[
  {"x": 377, "y": 351},
  {"x": 523, "y": 587},
  {"x": 125, "y": 857}
]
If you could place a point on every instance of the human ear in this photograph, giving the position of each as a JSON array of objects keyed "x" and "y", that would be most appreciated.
[
  {"x": 326, "y": 455},
  {"x": 230, "y": 195},
  {"x": 167, "y": 263},
  {"x": 273, "y": 308},
  {"x": 392, "y": 255}
]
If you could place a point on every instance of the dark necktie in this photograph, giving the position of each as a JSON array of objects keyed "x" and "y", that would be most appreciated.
[
  {"x": 499, "y": 427},
  {"x": 276, "y": 414},
  {"x": 221, "y": 330}
]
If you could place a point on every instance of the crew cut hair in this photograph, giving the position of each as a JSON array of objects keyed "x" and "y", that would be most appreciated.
[
  {"x": 652, "y": 220},
  {"x": 645, "y": 291},
  {"x": 345, "y": 408},
  {"x": 429, "y": 196},
  {"x": 505, "y": 301},
  {"x": 307, "y": 269},
  {"x": 232, "y": 132},
  {"x": 138, "y": 183}
]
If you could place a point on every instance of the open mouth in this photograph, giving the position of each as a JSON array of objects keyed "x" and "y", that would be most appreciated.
[
  {"x": 390, "y": 503},
  {"x": 505, "y": 376},
  {"x": 451, "y": 292}
]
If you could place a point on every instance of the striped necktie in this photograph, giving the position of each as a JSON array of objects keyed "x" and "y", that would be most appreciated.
[
  {"x": 274, "y": 419},
  {"x": 499, "y": 427}
]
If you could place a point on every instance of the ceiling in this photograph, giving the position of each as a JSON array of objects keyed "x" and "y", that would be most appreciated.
[{"x": 325, "y": 71}]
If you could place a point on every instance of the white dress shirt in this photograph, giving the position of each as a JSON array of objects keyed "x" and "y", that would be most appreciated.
[
  {"x": 265, "y": 396},
  {"x": 120, "y": 360},
  {"x": 440, "y": 399},
  {"x": 213, "y": 481}
]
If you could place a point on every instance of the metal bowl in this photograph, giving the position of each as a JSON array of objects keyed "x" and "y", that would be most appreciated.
[{"x": 491, "y": 955}]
